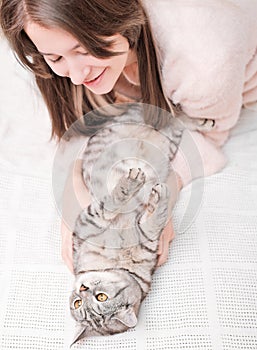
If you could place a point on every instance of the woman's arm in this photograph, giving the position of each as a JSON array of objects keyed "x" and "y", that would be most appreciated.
[
  {"x": 208, "y": 56},
  {"x": 76, "y": 197}
]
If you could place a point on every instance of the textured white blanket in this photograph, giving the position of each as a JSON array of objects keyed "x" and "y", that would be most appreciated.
[{"x": 203, "y": 298}]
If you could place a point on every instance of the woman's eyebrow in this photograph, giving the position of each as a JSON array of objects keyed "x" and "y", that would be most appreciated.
[{"x": 53, "y": 54}]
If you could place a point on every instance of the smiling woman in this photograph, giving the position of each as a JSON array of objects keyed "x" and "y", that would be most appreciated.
[
  {"x": 67, "y": 58},
  {"x": 200, "y": 55},
  {"x": 116, "y": 60},
  {"x": 116, "y": 54},
  {"x": 207, "y": 68}
]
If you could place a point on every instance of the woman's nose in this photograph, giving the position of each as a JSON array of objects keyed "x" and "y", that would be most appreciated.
[{"x": 78, "y": 74}]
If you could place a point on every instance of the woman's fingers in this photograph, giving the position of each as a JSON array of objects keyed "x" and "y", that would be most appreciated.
[
  {"x": 166, "y": 237},
  {"x": 67, "y": 246}
]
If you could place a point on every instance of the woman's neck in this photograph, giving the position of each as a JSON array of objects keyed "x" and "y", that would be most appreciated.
[
  {"x": 128, "y": 83},
  {"x": 124, "y": 89},
  {"x": 130, "y": 71}
]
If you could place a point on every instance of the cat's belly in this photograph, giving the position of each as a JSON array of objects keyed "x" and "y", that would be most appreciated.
[{"x": 134, "y": 259}]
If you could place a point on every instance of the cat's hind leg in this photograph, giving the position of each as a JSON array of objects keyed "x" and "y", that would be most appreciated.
[{"x": 155, "y": 215}]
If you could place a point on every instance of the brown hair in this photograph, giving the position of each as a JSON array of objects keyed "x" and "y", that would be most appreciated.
[{"x": 88, "y": 21}]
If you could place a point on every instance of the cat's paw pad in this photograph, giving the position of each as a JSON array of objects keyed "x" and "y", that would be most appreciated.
[{"x": 205, "y": 124}]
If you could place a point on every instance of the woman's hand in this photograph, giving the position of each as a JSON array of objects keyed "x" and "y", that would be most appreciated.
[
  {"x": 175, "y": 185},
  {"x": 166, "y": 237}
]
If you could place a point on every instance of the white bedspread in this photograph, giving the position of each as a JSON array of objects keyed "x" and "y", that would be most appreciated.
[{"x": 203, "y": 298}]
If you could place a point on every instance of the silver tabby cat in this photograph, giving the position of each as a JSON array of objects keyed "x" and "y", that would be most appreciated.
[{"x": 115, "y": 241}]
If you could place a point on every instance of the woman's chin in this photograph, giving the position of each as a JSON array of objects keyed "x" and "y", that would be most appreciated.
[{"x": 100, "y": 90}]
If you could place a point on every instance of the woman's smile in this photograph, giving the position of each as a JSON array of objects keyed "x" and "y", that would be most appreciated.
[{"x": 95, "y": 81}]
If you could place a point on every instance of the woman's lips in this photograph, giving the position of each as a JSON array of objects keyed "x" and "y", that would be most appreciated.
[{"x": 95, "y": 81}]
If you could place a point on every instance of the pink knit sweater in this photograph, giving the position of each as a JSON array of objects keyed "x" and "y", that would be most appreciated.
[{"x": 208, "y": 50}]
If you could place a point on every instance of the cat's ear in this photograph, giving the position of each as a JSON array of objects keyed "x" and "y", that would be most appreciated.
[
  {"x": 80, "y": 334},
  {"x": 127, "y": 317}
]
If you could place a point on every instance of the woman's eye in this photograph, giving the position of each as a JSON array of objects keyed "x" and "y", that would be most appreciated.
[
  {"x": 77, "y": 303},
  {"x": 56, "y": 60},
  {"x": 101, "y": 297},
  {"x": 82, "y": 53}
]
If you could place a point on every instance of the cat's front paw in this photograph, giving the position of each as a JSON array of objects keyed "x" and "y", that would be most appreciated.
[
  {"x": 155, "y": 213},
  {"x": 137, "y": 176},
  {"x": 159, "y": 192},
  {"x": 135, "y": 180},
  {"x": 129, "y": 185}
]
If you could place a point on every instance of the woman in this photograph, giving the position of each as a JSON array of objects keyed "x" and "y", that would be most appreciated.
[{"x": 86, "y": 54}]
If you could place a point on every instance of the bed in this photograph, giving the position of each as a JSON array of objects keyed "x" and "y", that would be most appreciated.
[{"x": 203, "y": 298}]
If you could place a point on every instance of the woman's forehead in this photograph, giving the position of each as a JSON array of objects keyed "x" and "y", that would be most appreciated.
[{"x": 49, "y": 41}]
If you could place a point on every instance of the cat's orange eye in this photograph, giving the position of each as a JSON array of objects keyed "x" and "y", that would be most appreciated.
[
  {"x": 101, "y": 297},
  {"x": 77, "y": 303},
  {"x": 83, "y": 288}
]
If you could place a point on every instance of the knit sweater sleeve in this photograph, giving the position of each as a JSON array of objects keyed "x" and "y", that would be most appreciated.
[{"x": 205, "y": 46}]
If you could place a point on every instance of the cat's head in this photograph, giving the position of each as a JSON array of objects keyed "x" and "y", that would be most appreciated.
[{"x": 104, "y": 303}]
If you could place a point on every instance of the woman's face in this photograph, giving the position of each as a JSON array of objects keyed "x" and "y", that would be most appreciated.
[{"x": 67, "y": 58}]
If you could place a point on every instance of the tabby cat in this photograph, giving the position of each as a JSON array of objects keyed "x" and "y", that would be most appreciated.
[{"x": 115, "y": 240}]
